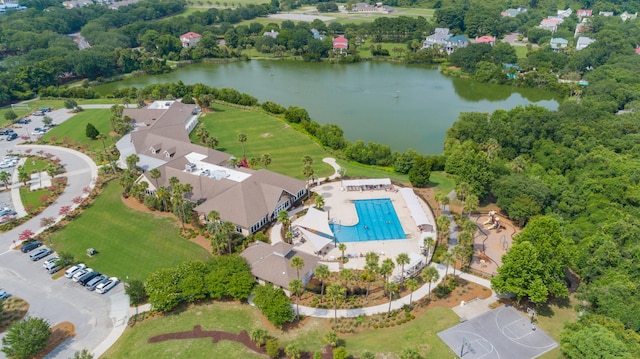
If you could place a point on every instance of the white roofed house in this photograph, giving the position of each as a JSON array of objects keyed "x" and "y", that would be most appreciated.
[
  {"x": 583, "y": 42},
  {"x": 247, "y": 198},
  {"x": 437, "y": 39}
]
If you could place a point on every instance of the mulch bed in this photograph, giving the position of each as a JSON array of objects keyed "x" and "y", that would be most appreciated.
[
  {"x": 59, "y": 334},
  {"x": 218, "y": 335}
]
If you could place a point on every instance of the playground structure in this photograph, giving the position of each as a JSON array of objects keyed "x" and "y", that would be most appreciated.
[{"x": 494, "y": 222}]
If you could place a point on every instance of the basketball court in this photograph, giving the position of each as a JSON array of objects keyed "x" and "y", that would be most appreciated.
[{"x": 499, "y": 334}]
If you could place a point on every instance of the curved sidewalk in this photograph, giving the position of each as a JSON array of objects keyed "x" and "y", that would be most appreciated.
[{"x": 396, "y": 304}]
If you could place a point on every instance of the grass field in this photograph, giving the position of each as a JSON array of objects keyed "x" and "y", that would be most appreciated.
[
  {"x": 129, "y": 243},
  {"x": 265, "y": 134},
  {"x": 521, "y": 51},
  {"x": 34, "y": 165},
  {"x": 552, "y": 317},
  {"x": 419, "y": 334},
  {"x": 32, "y": 198},
  {"x": 75, "y": 128}
]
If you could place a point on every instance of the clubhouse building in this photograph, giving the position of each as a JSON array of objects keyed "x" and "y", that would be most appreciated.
[{"x": 248, "y": 198}]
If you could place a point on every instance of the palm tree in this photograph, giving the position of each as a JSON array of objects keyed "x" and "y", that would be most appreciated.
[
  {"x": 342, "y": 247},
  {"x": 457, "y": 252},
  {"x": 369, "y": 275},
  {"x": 331, "y": 338},
  {"x": 445, "y": 202},
  {"x": 265, "y": 159},
  {"x": 283, "y": 217},
  {"x": 292, "y": 350},
  {"x": 5, "y": 178},
  {"x": 429, "y": 242},
  {"x": 322, "y": 272},
  {"x": 387, "y": 267},
  {"x": 259, "y": 336},
  {"x": 447, "y": 258},
  {"x": 253, "y": 162},
  {"x": 471, "y": 204},
  {"x": 412, "y": 284},
  {"x": 163, "y": 194},
  {"x": 297, "y": 263},
  {"x": 227, "y": 228},
  {"x": 307, "y": 172},
  {"x": 318, "y": 202},
  {"x": 232, "y": 162},
  {"x": 173, "y": 182},
  {"x": 296, "y": 287},
  {"x": 430, "y": 275},
  {"x": 307, "y": 160},
  {"x": 463, "y": 189},
  {"x": 202, "y": 133},
  {"x": 132, "y": 160},
  {"x": 212, "y": 142},
  {"x": 242, "y": 138},
  {"x": 335, "y": 292},
  {"x": 155, "y": 174},
  {"x": 391, "y": 287},
  {"x": 438, "y": 198},
  {"x": 346, "y": 275},
  {"x": 442, "y": 226},
  {"x": 470, "y": 226},
  {"x": 402, "y": 259}
]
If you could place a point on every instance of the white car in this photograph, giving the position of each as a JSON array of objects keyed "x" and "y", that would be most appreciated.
[
  {"x": 103, "y": 288},
  {"x": 80, "y": 273},
  {"x": 73, "y": 270},
  {"x": 50, "y": 261}
]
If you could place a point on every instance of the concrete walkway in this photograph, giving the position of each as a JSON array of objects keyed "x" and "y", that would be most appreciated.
[
  {"x": 336, "y": 169},
  {"x": 15, "y": 191},
  {"x": 398, "y": 303}
]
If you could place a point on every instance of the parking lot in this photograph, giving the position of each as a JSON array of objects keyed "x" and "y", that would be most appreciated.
[
  {"x": 62, "y": 300},
  {"x": 93, "y": 315}
]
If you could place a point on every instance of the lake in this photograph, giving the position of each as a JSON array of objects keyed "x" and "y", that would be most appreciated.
[{"x": 393, "y": 104}]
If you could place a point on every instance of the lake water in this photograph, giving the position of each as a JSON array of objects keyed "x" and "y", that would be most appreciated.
[{"x": 394, "y": 104}]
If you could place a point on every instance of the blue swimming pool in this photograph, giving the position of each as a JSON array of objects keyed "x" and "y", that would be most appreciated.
[{"x": 377, "y": 220}]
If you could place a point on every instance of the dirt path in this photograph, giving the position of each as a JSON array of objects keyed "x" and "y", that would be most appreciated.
[{"x": 134, "y": 204}]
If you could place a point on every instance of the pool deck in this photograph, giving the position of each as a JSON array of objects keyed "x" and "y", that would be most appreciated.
[{"x": 339, "y": 205}]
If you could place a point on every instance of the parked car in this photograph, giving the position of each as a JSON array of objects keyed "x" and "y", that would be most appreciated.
[
  {"x": 45, "y": 109},
  {"x": 93, "y": 283},
  {"x": 4, "y": 295},
  {"x": 54, "y": 269},
  {"x": 83, "y": 280},
  {"x": 12, "y": 136},
  {"x": 28, "y": 247},
  {"x": 38, "y": 113},
  {"x": 80, "y": 273},
  {"x": 107, "y": 286},
  {"x": 40, "y": 253},
  {"x": 73, "y": 270},
  {"x": 49, "y": 262},
  {"x": 24, "y": 121}
]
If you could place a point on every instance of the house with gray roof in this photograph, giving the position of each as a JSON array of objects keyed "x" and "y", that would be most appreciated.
[
  {"x": 455, "y": 42},
  {"x": 438, "y": 38},
  {"x": 558, "y": 43},
  {"x": 272, "y": 263},
  {"x": 583, "y": 42},
  {"x": 248, "y": 198}
]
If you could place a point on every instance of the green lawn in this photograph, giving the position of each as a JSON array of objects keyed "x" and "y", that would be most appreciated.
[
  {"x": 34, "y": 165},
  {"x": 129, "y": 243},
  {"x": 552, "y": 317},
  {"x": 419, "y": 334},
  {"x": 521, "y": 51},
  {"x": 442, "y": 182},
  {"x": 75, "y": 128},
  {"x": 265, "y": 134},
  {"x": 32, "y": 198}
]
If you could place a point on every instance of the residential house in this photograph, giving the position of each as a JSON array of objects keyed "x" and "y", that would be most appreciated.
[
  {"x": 248, "y": 198},
  {"x": 565, "y": 13},
  {"x": 366, "y": 7},
  {"x": 272, "y": 263},
  {"x": 582, "y": 26},
  {"x": 550, "y": 24},
  {"x": 11, "y": 6},
  {"x": 340, "y": 44},
  {"x": 76, "y": 3},
  {"x": 513, "y": 12},
  {"x": 316, "y": 34},
  {"x": 605, "y": 13},
  {"x": 637, "y": 50},
  {"x": 438, "y": 38},
  {"x": 584, "y": 13},
  {"x": 512, "y": 70},
  {"x": 558, "y": 43},
  {"x": 190, "y": 39},
  {"x": 487, "y": 39},
  {"x": 118, "y": 4},
  {"x": 454, "y": 43},
  {"x": 583, "y": 42},
  {"x": 626, "y": 16},
  {"x": 272, "y": 34}
]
